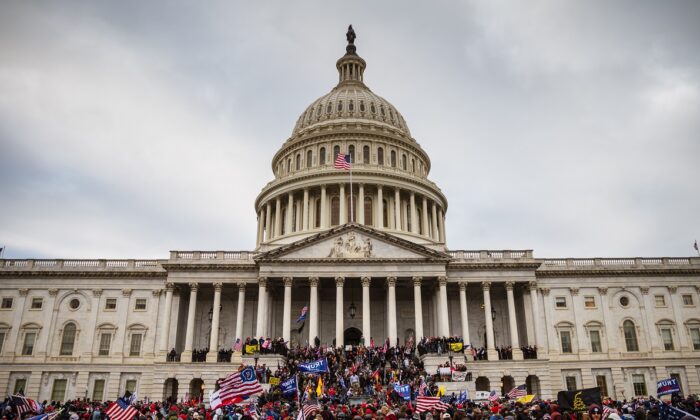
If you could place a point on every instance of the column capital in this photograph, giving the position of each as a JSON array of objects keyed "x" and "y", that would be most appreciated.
[
  {"x": 545, "y": 291},
  {"x": 462, "y": 286},
  {"x": 287, "y": 281},
  {"x": 262, "y": 281},
  {"x": 644, "y": 290},
  {"x": 23, "y": 292},
  {"x": 391, "y": 281},
  {"x": 97, "y": 292},
  {"x": 218, "y": 286},
  {"x": 417, "y": 280},
  {"x": 194, "y": 287},
  {"x": 366, "y": 281},
  {"x": 672, "y": 289},
  {"x": 339, "y": 281},
  {"x": 532, "y": 285},
  {"x": 155, "y": 292},
  {"x": 53, "y": 292},
  {"x": 313, "y": 281},
  {"x": 485, "y": 285},
  {"x": 126, "y": 292},
  {"x": 442, "y": 280},
  {"x": 169, "y": 286},
  {"x": 510, "y": 285},
  {"x": 241, "y": 287},
  {"x": 603, "y": 290},
  {"x": 574, "y": 291}
]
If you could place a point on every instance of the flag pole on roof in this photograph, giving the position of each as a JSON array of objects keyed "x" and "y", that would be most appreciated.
[{"x": 343, "y": 161}]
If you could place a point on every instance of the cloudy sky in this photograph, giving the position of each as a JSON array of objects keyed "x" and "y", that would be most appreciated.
[{"x": 131, "y": 128}]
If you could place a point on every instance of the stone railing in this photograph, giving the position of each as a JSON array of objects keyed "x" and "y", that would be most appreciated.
[
  {"x": 100, "y": 264},
  {"x": 491, "y": 255},
  {"x": 618, "y": 262},
  {"x": 230, "y": 256}
]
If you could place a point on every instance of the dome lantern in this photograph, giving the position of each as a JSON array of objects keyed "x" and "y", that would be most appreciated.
[{"x": 351, "y": 66}]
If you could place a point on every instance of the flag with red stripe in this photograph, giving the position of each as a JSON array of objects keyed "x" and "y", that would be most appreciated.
[
  {"x": 121, "y": 410},
  {"x": 424, "y": 403},
  {"x": 517, "y": 392},
  {"x": 342, "y": 161},
  {"x": 240, "y": 384}
]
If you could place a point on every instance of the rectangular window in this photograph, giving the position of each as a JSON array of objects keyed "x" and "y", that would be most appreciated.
[
  {"x": 58, "y": 393},
  {"x": 660, "y": 301},
  {"x": 140, "y": 304},
  {"x": 694, "y": 335},
  {"x": 602, "y": 383},
  {"x": 688, "y": 300},
  {"x": 2, "y": 339},
  {"x": 98, "y": 390},
  {"x": 28, "y": 347},
  {"x": 560, "y": 302},
  {"x": 135, "y": 347},
  {"x": 37, "y": 303},
  {"x": 667, "y": 338},
  {"x": 110, "y": 304},
  {"x": 20, "y": 386},
  {"x": 130, "y": 386},
  {"x": 105, "y": 344},
  {"x": 565, "y": 341},
  {"x": 639, "y": 385},
  {"x": 571, "y": 383},
  {"x": 6, "y": 303},
  {"x": 596, "y": 347},
  {"x": 589, "y": 301}
]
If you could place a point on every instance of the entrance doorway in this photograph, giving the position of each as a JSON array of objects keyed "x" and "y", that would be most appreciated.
[{"x": 352, "y": 336}]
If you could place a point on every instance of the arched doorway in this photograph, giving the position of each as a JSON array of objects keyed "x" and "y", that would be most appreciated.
[
  {"x": 170, "y": 390},
  {"x": 196, "y": 389},
  {"x": 482, "y": 384},
  {"x": 507, "y": 383},
  {"x": 352, "y": 336},
  {"x": 532, "y": 383}
]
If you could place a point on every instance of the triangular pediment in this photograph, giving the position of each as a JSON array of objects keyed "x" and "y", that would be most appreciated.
[{"x": 352, "y": 242}]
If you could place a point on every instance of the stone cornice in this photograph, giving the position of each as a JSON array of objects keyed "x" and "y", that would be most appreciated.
[
  {"x": 213, "y": 266},
  {"x": 621, "y": 272},
  {"x": 493, "y": 265},
  {"x": 81, "y": 274}
]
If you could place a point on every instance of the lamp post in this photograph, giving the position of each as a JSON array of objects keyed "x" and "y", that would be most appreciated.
[{"x": 352, "y": 309}]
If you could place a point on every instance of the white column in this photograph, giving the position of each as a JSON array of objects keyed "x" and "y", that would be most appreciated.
[
  {"x": 239, "y": 312},
  {"x": 278, "y": 217},
  {"x": 609, "y": 337},
  {"x": 14, "y": 333},
  {"x": 512, "y": 322},
  {"x": 418, "y": 307},
  {"x": 426, "y": 229},
  {"x": 414, "y": 214},
  {"x": 343, "y": 205},
  {"x": 324, "y": 213},
  {"x": 677, "y": 305},
  {"x": 397, "y": 209},
  {"x": 313, "y": 309},
  {"x": 213, "y": 354},
  {"x": 646, "y": 300},
  {"x": 444, "y": 316},
  {"x": 189, "y": 334},
  {"x": 436, "y": 234},
  {"x": 391, "y": 283},
  {"x": 268, "y": 222},
  {"x": 339, "y": 329},
  {"x": 535, "y": 304},
  {"x": 464, "y": 315},
  {"x": 262, "y": 300},
  {"x": 490, "y": 345},
  {"x": 361, "y": 204},
  {"x": 165, "y": 332},
  {"x": 261, "y": 221},
  {"x": 366, "y": 324},
  {"x": 287, "y": 311},
  {"x": 290, "y": 212},
  {"x": 305, "y": 214},
  {"x": 441, "y": 226},
  {"x": 379, "y": 224}
]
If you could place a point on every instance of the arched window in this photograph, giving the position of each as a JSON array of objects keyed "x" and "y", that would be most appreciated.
[
  {"x": 368, "y": 211},
  {"x": 351, "y": 152},
  {"x": 393, "y": 159},
  {"x": 380, "y": 156},
  {"x": 289, "y": 165},
  {"x": 68, "y": 339},
  {"x": 298, "y": 161},
  {"x": 317, "y": 214},
  {"x": 340, "y": 106},
  {"x": 413, "y": 165},
  {"x": 630, "y": 336},
  {"x": 335, "y": 211},
  {"x": 322, "y": 156},
  {"x": 284, "y": 217},
  {"x": 336, "y": 151},
  {"x": 309, "y": 157},
  {"x": 365, "y": 154},
  {"x": 381, "y": 110},
  {"x": 329, "y": 108},
  {"x": 351, "y": 106},
  {"x": 404, "y": 164},
  {"x": 372, "y": 108},
  {"x": 362, "y": 106}
]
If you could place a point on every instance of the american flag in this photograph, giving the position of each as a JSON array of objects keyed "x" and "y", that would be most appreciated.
[
  {"x": 493, "y": 396},
  {"x": 607, "y": 411},
  {"x": 308, "y": 409},
  {"x": 47, "y": 416},
  {"x": 517, "y": 392},
  {"x": 238, "y": 344},
  {"x": 240, "y": 384},
  {"x": 342, "y": 161},
  {"x": 423, "y": 387},
  {"x": 24, "y": 405},
  {"x": 667, "y": 412},
  {"x": 429, "y": 403},
  {"x": 121, "y": 410}
]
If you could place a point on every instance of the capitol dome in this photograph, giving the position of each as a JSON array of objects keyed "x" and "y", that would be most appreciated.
[{"x": 389, "y": 189}]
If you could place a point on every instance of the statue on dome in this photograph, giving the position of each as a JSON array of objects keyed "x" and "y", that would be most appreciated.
[{"x": 350, "y": 35}]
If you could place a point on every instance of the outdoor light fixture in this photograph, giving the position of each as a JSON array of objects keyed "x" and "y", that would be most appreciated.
[{"x": 353, "y": 310}]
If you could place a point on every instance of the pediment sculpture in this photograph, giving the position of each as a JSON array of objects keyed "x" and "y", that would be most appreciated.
[{"x": 349, "y": 247}]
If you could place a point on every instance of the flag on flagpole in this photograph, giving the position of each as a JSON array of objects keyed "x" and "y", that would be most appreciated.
[
  {"x": 121, "y": 410},
  {"x": 319, "y": 387},
  {"x": 695, "y": 245},
  {"x": 23, "y": 404},
  {"x": 493, "y": 396},
  {"x": 238, "y": 344},
  {"x": 240, "y": 384},
  {"x": 517, "y": 392},
  {"x": 429, "y": 403},
  {"x": 342, "y": 162},
  {"x": 302, "y": 315}
]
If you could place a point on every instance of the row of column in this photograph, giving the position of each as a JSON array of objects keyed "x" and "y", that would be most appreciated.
[
  {"x": 313, "y": 313},
  {"x": 432, "y": 227}
]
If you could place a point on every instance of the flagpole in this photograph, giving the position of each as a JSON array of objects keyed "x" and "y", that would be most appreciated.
[{"x": 352, "y": 207}]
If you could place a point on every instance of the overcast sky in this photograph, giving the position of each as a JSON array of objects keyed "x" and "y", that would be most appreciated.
[{"x": 131, "y": 128}]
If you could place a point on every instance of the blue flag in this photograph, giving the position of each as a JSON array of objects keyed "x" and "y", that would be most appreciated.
[
  {"x": 318, "y": 366},
  {"x": 666, "y": 412},
  {"x": 463, "y": 397},
  {"x": 289, "y": 386},
  {"x": 667, "y": 386},
  {"x": 404, "y": 391}
]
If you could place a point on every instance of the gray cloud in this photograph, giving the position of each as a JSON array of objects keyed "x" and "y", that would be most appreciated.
[{"x": 131, "y": 128}]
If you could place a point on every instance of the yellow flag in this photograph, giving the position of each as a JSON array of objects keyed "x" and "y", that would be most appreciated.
[
  {"x": 319, "y": 388},
  {"x": 526, "y": 399},
  {"x": 274, "y": 381},
  {"x": 441, "y": 391},
  {"x": 456, "y": 346}
]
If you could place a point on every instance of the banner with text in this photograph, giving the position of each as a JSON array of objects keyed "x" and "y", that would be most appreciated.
[
  {"x": 667, "y": 386},
  {"x": 318, "y": 366}
]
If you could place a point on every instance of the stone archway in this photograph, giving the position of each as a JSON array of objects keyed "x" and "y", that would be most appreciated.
[
  {"x": 532, "y": 383},
  {"x": 482, "y": 384},
  {"x": 352, "y": 336},
  {"x": 196, "y": 389},
  {"x": 507, "y": 383},
  {"x": 170, "y": 390}
]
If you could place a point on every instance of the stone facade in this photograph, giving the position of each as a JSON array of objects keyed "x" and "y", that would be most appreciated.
[{"x": 76, "y": 328}]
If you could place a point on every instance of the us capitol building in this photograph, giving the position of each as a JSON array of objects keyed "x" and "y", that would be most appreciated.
[{"x": 95, "y": 328}]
